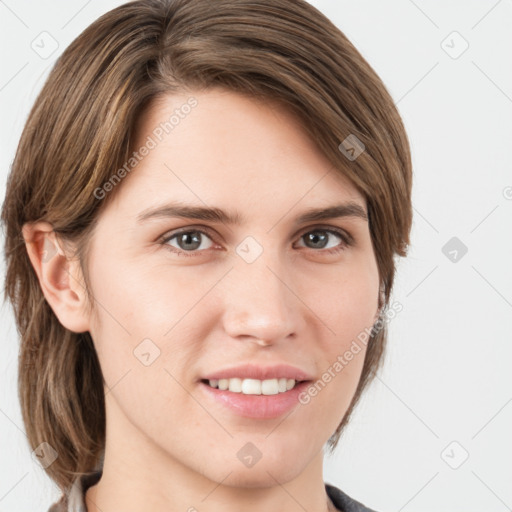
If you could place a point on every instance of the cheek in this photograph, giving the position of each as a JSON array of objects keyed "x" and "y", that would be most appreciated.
[
  {"x": 138, "y": 298},
  {"x": 346, "y": 304},
  {"x": 346, "y": 300},
  {"x": 145, "y": 342},
  {"x": 144, "y": 318}
]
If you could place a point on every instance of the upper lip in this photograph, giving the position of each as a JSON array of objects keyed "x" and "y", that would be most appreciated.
[{"x": 252, "y": 371}]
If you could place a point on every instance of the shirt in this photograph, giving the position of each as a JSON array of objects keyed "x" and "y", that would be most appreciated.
[{"x": 75, "y": 500}]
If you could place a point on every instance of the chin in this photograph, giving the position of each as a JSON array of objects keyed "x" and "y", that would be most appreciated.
[
  {"x": 259, "y": 478},
  {"x": 264, "y": 473}
]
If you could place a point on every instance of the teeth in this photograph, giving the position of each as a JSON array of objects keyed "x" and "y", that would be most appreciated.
[{"x": 254, "y": 386}]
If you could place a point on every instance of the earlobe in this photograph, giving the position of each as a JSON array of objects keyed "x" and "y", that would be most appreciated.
[{"x": 59, "y": 276}]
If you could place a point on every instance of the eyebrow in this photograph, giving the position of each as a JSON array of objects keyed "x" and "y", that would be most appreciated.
[{"x": 213, "y": 214}]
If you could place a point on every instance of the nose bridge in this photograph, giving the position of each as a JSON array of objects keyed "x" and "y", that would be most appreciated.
[{"x": 259, "y": 301}]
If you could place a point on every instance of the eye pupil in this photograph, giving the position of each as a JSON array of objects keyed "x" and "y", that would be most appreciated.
[
  {"x": 186, "y": 237},
  {"x": 314, "y": 237}
]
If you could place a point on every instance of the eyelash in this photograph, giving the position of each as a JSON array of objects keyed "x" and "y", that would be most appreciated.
[{"x": 347, "y": 240}]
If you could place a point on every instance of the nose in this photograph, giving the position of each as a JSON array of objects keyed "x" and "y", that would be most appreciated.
[{"x": 260, "y": 304}]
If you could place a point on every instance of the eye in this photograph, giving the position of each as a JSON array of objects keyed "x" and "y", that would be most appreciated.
[
  {"x": 319, "y": 239},
  {"x": 191, "y": 242},
  {"x": 188, "y": 241}
]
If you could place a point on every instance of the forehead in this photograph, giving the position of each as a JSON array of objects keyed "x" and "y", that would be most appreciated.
[{"x": 229, "y": 149}]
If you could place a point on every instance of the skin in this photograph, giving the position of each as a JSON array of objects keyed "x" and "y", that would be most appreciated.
[{"x": 168, "y": 446}]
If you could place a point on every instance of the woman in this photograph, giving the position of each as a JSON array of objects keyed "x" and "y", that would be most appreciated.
[{"x": 157, "y": 376}]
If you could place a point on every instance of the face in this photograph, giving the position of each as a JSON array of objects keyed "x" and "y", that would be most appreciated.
[{"x": 178, "y": 299}]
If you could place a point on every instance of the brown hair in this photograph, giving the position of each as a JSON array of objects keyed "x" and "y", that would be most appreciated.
[{"x": 80, "y": 131}]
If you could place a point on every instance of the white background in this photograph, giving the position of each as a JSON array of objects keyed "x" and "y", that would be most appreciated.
[{"x": 447, "y": 374}]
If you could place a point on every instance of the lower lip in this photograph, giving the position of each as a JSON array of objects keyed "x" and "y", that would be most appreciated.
[{"x": 257, "y": 406}]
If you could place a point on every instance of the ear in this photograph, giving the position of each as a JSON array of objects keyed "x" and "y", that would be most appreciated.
[{"x": 60, "y": 276}]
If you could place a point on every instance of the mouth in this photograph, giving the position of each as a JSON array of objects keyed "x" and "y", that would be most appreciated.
[
  {"x": 244, "y": 398},
  {"x": 267, "y": 387}
]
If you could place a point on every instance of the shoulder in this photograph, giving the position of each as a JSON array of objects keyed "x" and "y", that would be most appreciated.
[{"x": 343, "y": 502}]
